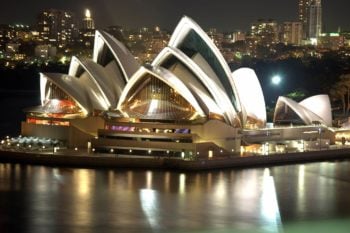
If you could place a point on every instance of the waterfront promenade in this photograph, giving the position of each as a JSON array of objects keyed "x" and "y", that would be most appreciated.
[{"x": 72, "y": 158}]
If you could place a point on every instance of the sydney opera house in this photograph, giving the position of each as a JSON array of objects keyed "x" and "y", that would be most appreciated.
[{"x": 187, "y": 102}]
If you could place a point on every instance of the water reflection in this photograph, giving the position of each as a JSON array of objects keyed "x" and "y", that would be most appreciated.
[
  {"x": 182, "y": 184},
  {"x": 167, "y": 182},
  {"x": 81, "y": 207},
  {"x": 301, "y": 189},
  {"x": 148, "y": 179},
  {"x": 148, "y": 198},
  {"x": 249, "y": 200},
  {"x": 270, "y": 213}
]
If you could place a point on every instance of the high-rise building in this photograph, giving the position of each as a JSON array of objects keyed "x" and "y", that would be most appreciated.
[
  {"x": 265, "y": 32},
  {"x": 315, "y": 19},
  {"x": 57, "y": 27},
  {"x": 303, "y": 9},
  {"x": 310, "y": 15},
  {"x": 88, "y": 21},
  {"x": 87, "y": 30},
  {"x": 292, "y": 33}
]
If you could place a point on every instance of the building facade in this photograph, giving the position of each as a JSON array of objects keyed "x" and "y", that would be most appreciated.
[
  {"x": 314, "y": 29},
  {"x": 57, "y": 27},
  {"x": 292, "y": 33},
  {"x": 238, "y": 36},
  {"x": 332, "y": 41},
  {"x": 265, "y": 32},
  {"x": 303, "y": 15},
  {"x": 310, "y": 15},
  {"x": 87, "y": 30}
]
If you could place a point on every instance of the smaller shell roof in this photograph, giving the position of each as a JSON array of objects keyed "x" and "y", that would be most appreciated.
[{"x": 302, "y": 110}]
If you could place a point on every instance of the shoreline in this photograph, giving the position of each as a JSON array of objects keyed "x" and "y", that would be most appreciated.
[{"x": 79, "y": 160}]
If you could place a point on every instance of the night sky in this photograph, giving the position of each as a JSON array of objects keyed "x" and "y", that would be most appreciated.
[{"x": 226, "y": 15}]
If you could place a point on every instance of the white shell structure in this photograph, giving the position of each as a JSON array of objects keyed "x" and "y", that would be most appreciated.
[
  {"x": 204, "y": 86},
  {"x": 83, "y": 90},
  {"x": 188, "y": 35},
  {"x": 251, "y": 96},
  {"x": 302, "y": 110},
  {"x": 321, "y": 106},
  {"x": 124, "y": 60}
]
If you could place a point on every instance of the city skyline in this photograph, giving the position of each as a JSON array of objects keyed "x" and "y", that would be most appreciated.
[{"x": 226, "y": 16}]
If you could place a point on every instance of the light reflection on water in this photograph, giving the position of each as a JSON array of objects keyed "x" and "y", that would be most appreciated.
[{"x": 279, "y": 199}]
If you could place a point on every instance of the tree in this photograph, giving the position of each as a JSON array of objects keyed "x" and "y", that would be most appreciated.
[
  {"x": 296, "y": 95},
  {"x": 336, "y": 93},
  {"x": 341, "y": 91}
]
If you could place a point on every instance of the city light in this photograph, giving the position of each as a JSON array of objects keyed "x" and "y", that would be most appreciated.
[{"x": 87, "y": 13}]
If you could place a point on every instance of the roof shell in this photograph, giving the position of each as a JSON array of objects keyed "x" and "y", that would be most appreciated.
[
  {"x": 125, "y": 60},
  {"x": 305, "y": 114},
  {"x": 250, "y": 94},
  {"x": 321, "y": 106},
  {"x": 83, "y": 90},
  {"x": 220, "y": 103},
  {"x": 187, "y": 29}
]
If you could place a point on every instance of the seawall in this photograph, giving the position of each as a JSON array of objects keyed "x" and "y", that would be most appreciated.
[{"x": 107, "y": 161}]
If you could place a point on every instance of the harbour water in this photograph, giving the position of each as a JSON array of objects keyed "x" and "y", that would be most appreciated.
[
  {"x": 312, "y": 197},
  {"x": 12, "y": 105}
]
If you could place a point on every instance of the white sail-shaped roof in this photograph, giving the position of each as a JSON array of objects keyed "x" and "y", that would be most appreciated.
[
  {"x": 68, "y": 84},
  {"x": 83, "y": 90},
  {"x": 110, "y": 86},
  {"x": 191, "y": 39},
  {"x": 80, "y": 69},
  {"x": 250, "y": 94},
  {"x": 321, "y": 106},
  {"x": 125, "y": 61},
  {"x": 306, "y": 115},
  {"x": 217, "y": 100}
]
